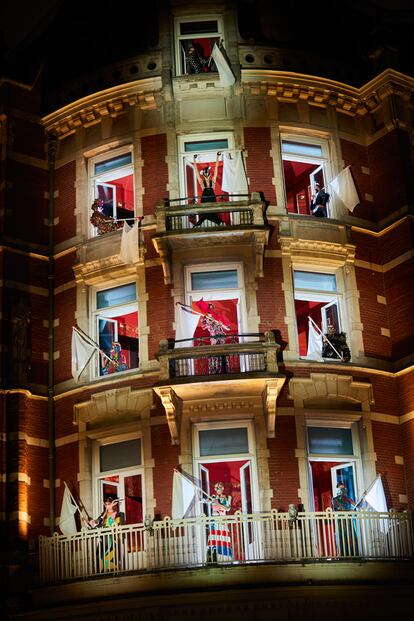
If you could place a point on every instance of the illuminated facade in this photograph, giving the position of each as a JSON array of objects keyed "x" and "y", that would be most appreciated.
[{"x": 250, "y": 409}]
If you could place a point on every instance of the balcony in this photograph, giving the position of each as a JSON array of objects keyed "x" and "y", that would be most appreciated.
[
  {"x": 185, "y": 225},
  {"x": 258, "y": 538},
  {"x": 242, "y": 372}
]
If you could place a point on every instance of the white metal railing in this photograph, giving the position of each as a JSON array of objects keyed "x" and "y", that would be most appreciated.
[{"x": 235, "y": 539}]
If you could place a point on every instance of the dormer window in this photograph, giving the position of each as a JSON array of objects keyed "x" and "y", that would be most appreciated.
[{"x": 195, "y": 38}]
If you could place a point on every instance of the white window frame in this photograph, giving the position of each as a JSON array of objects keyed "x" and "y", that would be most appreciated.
[
  {"x": 324, "y": 161},
  {"x": 179, "y": 37},
  {"x": 106, "y": 178},
  {"x": 315, "y": 295},
  {"x": 182, "y": 140},
  {"x": 217, "y": 294},
  {"x": 355, "y": 458},
  {"x": 249, "y": 456},
  {"x": 97, "y": 314},
  {"x": 98, "y": 475}
]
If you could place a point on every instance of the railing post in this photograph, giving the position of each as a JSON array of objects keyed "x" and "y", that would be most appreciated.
[
  {"x": 271, "y": 348},
  {"x": 160, "y": 216},
  {"x": 164, "y": 360}
]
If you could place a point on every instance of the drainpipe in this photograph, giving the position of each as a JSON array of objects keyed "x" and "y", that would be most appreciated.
[{"x": 51, "y": 152}]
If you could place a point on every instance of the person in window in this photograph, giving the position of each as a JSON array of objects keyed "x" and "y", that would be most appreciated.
[
  {"x": 207, "y": 183},
  {"x": 194, "y": 61},
  {"x": 215, "y": 325},
  {"x": 219, "y": 541},
  {"x": 332, "y": 341},
  {"x": 346, "y": 537},
  {"x": 319, "y": 202},
  {"x": 103, "y": 223},
  {"x": 110, "y": 517},
  {"x": 117, "y": 362}
]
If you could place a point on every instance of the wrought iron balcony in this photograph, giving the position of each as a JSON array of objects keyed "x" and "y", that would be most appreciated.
[
  {"x": 186, "y": 224},
  {"x": 242, "y": 539}
]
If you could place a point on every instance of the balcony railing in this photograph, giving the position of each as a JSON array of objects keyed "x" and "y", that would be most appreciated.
[
  {"x": 185, "y": 214},
  {"x": 239, "y": 539},
  {"x": 242, "y": 353}
]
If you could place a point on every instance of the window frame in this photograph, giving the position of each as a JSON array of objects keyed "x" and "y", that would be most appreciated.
[
  {"x": 98, "y": 475},
  {"x": 97, "y": 314},
  {"x": 312, "y": 295},
  {"x": 324, "y": 161},
  {"x": 93, "y": 178},
  {"x": 178, "y": 37},
  {"x": 188, "y": 138}
]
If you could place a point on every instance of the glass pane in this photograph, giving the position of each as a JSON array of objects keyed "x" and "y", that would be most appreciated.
[
  {"x": 300, "y": 148},
  {"x": 120, "y": 455},
  {"x": 223, "y": 441},
  {"x": 330, "y": 441},
  {"x": 206, "y": 145},
  {"x": 225, "y": 279},
  {"x": 115, "y": 296},
  {"x": 314, "y": 281},
  {"x": 133, "y": 499},
  {"x": 114, "y": 162},
  {"x": 189, "y": 28}
]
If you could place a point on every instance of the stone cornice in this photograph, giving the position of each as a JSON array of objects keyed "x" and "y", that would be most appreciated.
[
  {"x": 109, "y": 102},
  {"x": 317, "y": 91},
  {"x": 309, "y": 248}
]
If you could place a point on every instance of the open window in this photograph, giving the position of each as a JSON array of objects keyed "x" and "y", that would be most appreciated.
[
  {"x": 304, "y": 168},
  {"x": 205, "y": 147},
  {"x": 195, "y": 38},
  {"x": 112, "y": 182},
  {"x": 116, "y": 329},
  {"x": 317, "y": 297},
  {"x": 119, "y": 473}
]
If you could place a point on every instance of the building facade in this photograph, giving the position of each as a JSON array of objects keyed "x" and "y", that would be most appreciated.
[{"x": 213, "y": 317}]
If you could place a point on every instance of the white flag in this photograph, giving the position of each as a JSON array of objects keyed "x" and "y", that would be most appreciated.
[
  {"x": 186, "y": 325},
  {"x": 314, "y": 343},
  {"x": 225, "y": 73},
  {"x": 343, "y": 185},
  {"x": 234, "y": 176},
  {"x": 129, "y": 252},
  {"x": 82, "y": 351},
  {"x": 67, "y": 523},
  {"x": 376, "y": 497},
  {"x": 183, "y": 496}
]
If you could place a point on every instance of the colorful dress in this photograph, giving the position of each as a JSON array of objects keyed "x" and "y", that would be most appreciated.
[
  {"x": 216, "y": 364},
  {"x": 219, "y": 546},
  {"x": 109, "y": 549}
]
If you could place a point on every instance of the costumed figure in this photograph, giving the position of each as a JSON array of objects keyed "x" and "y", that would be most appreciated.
[
  {"x": 194, "y": 62},
  {"x": 103, "y": 223},
  {"x": 319, "y": 202},
  {"x": 109, "y": 547},
  {"x": 219, "y": 541},
  {"x": 117, "y": 360},
  {"x": 207, "y": 183},
  {"x": 338, "y": 341},
  {"x": 215, "y": 326},
  {"x": 346, "y": 539}
]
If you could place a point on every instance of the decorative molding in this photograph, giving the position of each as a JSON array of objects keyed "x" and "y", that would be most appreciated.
[
  {"x": 330, "y": 252},
  {"x": 270, "y": 395},
  {"x": 330, "y": 386},
  {"x": 173, "y": 410},
  {"x": 116, "y": 402}
]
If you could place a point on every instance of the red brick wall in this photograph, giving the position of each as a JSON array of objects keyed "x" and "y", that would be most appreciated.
[
  {"x": 391, "y": 172},
  {"x": 356, "y": 156},
  {"x": 160, "y": 309},
  {"x": 283, "y": 464},
  {"x": 154, "y": 171},
  {"x": 65, "y": 307},
  {"x": 271, "y": 299},
  {"x": 374, "y": 315},
  {"x": 166, "y": 459},
  {"x": 257, "y": 141},
  {"x": 65, "y": 202},
  {"x": 400, "y": 301},
  {"x": 407, "y": 432},
  {"x": 387, "y": 444}
]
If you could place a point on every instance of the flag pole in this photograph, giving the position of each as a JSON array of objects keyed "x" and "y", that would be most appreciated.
[
  {"x": 324, "y": 337},
  {"x": 72, "y": 498},
  {"x": 92, "y": 342}
]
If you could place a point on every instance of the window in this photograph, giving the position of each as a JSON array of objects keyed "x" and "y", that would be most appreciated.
[
  {"x": 334, "y": 458},
  {"x": 205, "y": 147},
  {"x": 112, "y": 181},
  {"x": 119, "y": 473},
  {"x": 304, "y": 166},
  {"x": 316, "y": 297},
  {"x": 195, "y": 38},
  {"x": 116, "y": 328}
]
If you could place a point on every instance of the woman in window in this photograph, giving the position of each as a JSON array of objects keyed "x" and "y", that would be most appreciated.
[
  {"x": 110, "y": 517},
  {"x": 219, "y": 540},
  {"x": 207, "y": 183}
]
